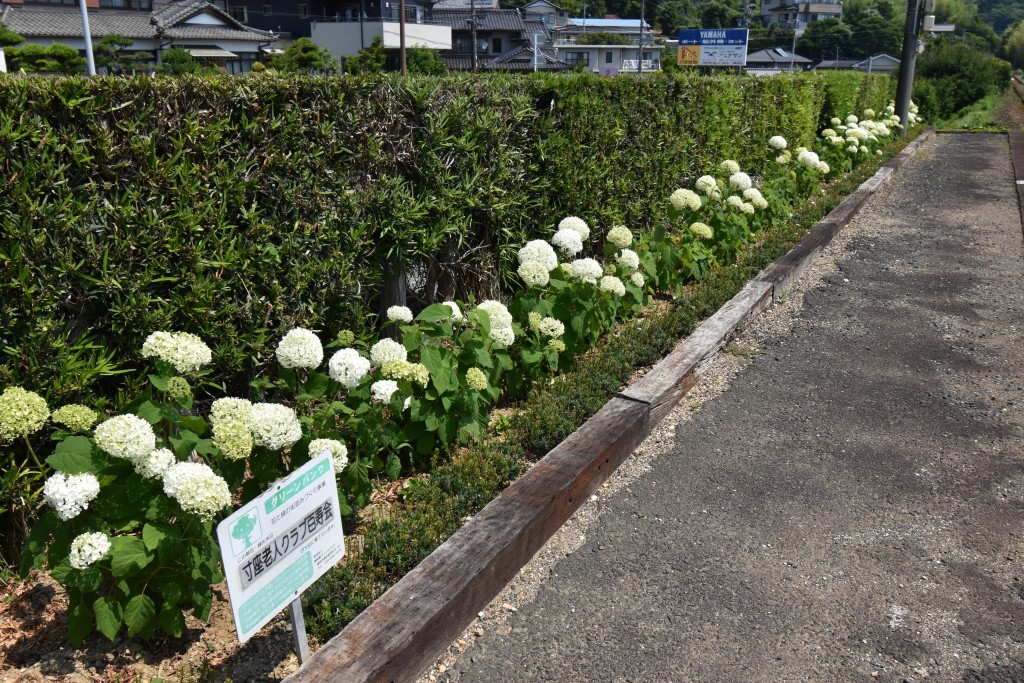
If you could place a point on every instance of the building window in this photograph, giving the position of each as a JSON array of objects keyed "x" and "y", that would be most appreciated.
[
  {"x": 496, "y": 46},
  {"x": 304, "y": 11},
  {"x": 608, "y": 58},
  {"x": 268, "y": 10},
  {"x": 577, "y": 58},
  {"x": 146, "y": 5},
  {"x": 239, "y": 14},
  {"x": 463, "y": 44},
  {"x": 51, "y": 2}
]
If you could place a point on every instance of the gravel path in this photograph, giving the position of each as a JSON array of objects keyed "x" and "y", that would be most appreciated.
[{"x": 849, "y": 508}]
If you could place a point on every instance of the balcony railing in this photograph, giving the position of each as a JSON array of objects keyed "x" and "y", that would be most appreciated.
[{"x": 645, "y": 65}]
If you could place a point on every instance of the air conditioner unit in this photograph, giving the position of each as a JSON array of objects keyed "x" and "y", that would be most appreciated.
[{"x": 929, "y": 22}]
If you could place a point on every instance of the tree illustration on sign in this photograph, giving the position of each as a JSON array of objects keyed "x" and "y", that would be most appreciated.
[{"x": 242, "y": 531}]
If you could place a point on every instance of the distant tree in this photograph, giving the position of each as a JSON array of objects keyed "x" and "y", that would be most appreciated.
[
  {"x": 177, "y": 61},
  {"x": 603, "y": 38},
  {"x": 960, "y": 74},
  {"x": 1002, "y": 16},
  {"x": 423, "y": 61},
  {"x": 55, "y": 58},
  {"x": 718, "y": 15},
  {"x": 370, "y": 59},
  {"x": 304, "y": 56},
  {"x": 871, "y": 34},
  {"x": 110, "y": 55},
  {"x": 672, "y": 15},
  {"x": 1013, "y": 45},
  {"x": 824, "y": 39},
  {"x": 765, "y": 38}
]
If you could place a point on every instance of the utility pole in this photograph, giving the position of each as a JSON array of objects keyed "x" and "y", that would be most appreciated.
[
  {"x": 908, "y": 57},
  {"x": 640, "y": 48},
  {"x": 401, "y": 36},
  {"x": 792, "y": 52},
  {"x": 584, "y": 17},
  {"x": 90, "y": 62},
  {"x": 472, "y": 32}
]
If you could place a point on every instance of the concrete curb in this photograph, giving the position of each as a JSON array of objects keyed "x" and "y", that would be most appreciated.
[{"x": 403, "y": 631}]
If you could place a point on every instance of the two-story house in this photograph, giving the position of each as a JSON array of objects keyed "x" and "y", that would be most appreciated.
[
  {"x": 498, "y": 39},
  {"x": 632, "y": 52},
  {"x": 798, "y": 15}
]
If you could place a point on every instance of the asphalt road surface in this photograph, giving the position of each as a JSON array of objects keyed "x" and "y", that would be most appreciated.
[{"x": 850, "y": 509}]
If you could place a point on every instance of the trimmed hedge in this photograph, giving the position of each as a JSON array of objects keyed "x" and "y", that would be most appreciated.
[{"x": 238, "y": 208}]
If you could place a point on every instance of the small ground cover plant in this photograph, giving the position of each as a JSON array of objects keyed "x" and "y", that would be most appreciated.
[{"x": 131, "y": 499}]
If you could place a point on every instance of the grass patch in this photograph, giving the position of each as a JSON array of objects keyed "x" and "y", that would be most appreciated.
[{"x": 980, "y": 116}]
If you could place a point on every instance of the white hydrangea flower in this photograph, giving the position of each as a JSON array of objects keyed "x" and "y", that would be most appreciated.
[
  {"x": 456, "y": 311},
  {"x": 476, "y": 379},
  {"x": 837, "y": 141},
  {"x": 740, "y": 181},
  {"x": 777, "y": 142},
  {"x": 233, "y": 438},
  {"x": 782, "y": 159},
  {"x": 754, "y": 196},
  {"x": 186, "y": 352},
  {"x": 385, "y": 350},
  {"x": 577, "y": 224},
  {"x": 237, "y": 409},
  {"x": 338, "y": 451},
  {"x": 197, "y": 488},
  {"x": 275, "y": 426},
  {"x": 505, "y": 336},
  {"x": 126, "y": 436},
  {"x": 551, "y": 327},
  {"x": 828, "y": 133},
  {"x": 734, "y": 201},
  {"x": 869, "y": 113},
  {"x": 851, "y": 119},
  {"x": 628, "y": 259},
  {"x": 348, "y": 368},
  {"x": 729, "y": 166},
  {"x": 836, "y": 121},
  {"x": 400, "y": 314},
  {"x": 540, "y": 251},
  {"x": 746, "y": 208},
  {"x": 808, "y": 159},
  {"x": 702, "y": 230},
  {"x": 534, "y": 273},
  {"x": 568, "y": 242},
  {"x": 77, "y": 418},
  {"x": 823, "y": 168},
  {"x": 382, "y": 390},
  {"x": 610, "y": 283},
  {"x": 706, "y": 184},
  {"x": 88, "y": 549},
  {"x": 852, "y": 149},
  {"x": 585, "y": 269},
  {"x": 685, "y": 199},
  {"x": 620, "y": 236},
  {"x": 300, "y": 348},
  {"x": 155, "y": 464},
  {"x": 882, "y": 131},
  {"x": 22, "y": 412},
  {"x": 69, "y": 494},
  {"x": 637, "y": 279},
  {"x": 497, "y": 313}
]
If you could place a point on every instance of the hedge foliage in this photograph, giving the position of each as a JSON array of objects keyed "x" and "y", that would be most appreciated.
[{"x": 236, "y": 209}]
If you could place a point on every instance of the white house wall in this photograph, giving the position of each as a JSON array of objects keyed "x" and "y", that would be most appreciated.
[{"x": 346, "y": 39}]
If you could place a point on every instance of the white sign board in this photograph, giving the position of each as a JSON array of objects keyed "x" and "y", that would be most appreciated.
[
  {"x": 713, "y": 47},
  {"x": 276, "y": 546}
]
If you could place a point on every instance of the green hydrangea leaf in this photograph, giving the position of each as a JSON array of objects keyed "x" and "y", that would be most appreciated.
[
  {"x": 109, "y": 615},
  {"x": 196, "y": 425},
  {"x": 140, "y": 616},
  {"x": 435, "y": 313},
  {"x": 73, "y": 455},
  {"x": 150, "y": 412},
  {"x": 80, "y": 618},
  {"x": 171, "y": 620},
  {"x": 394, "y": 466},
  {"x": 128, "y": 555}
]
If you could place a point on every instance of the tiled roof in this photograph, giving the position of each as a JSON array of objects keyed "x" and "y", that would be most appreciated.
[
  {"x": 487, "y": 20},
  {"x": 776, "y": 56},
  {"x": 519, "y": 58},
  {"x": 466, "y": 4},
  {"x": 534, "y": 26},
  {"x": 66, "y": 22}
]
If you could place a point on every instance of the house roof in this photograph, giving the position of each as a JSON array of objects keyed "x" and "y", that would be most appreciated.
[
  {"x": 466, "y": 4},
  {"x": 776, "y": 56},
  {"x": 487, "y": 20},
  {"x": 519, "y": 58},
  {"x": 535, "y": 26},
  {"x": 878, "y": 59},
  {"x": 541, "y": 2},
  {"x": 836, "y": 64},
  {"x": 170, "y": 20}
]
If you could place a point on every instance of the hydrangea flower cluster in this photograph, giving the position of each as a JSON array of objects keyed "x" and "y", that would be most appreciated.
[
  {"x": 126, "y": 436},
  {"x": 456, "y": 311},
  {"x": 197, "y": 488},
  {"x": 77, "y": 418},
  {"x": 610, "y": 283},
  {"x": 702, "y": 230},
  {"x": 628, "y": 258},
  {"x": 338, "y": 451},
  {"x": 300, "y": 348},
  {"x": 347, "y": 367},
  {"x": 568, "y": 241},
  {"x": 235, "y": 409},
  {"x": 22, "y": 413},
  {"x": 577, "y": 224},
  {"x": 620, "y": 237},
  {"x": 401, "y": 369},
  {"x": 400, "y": 314},
  {"x": 275, "y": 426},
  {"x": 551, "y": 327},
  {"x": 777, "y": 142},
  {"x": 808, "y": 159},
  {"x": 585, "y": 269},
  {"x": 234, "y": 438},
  {"x": 707, "y": 185},
  {"x": 637, "y": 279},
  {"x": 179, "y": 389},
  {"x": 685, "y": 199},
  {"x": 385, "y": 350},
  {"x": 501, "y": 322},
  {"x": 156, "y": 463},
  {"x": 476, "y": 379},
  {"x": 69, "y": 494},
  {"x": 185, "y": 351},
  {"x": 534, "y": 274},
  {"x": 382, "y": 390},
  {"x": 88, "y": 549},
  {"x": 754, "y": 196},
  {"x": 540, "y": 252},
  {"x": 740, "y": 181},
  {"x": 729, "y": 166}
]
